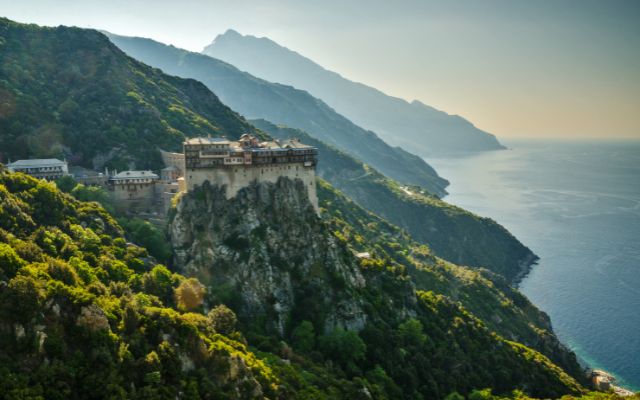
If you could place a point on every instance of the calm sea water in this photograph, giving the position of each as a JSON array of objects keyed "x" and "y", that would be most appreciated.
[{"x": 577, "y": 206}]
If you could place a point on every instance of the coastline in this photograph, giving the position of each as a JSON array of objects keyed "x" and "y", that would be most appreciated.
[
  {"x": 560, "y": 198},
  {"x": 525, "y": 266},
  {"x": 603, "y": 381}
]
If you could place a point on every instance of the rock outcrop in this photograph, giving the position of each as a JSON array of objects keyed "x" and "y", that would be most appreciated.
[{"x": 272, "y": 254}]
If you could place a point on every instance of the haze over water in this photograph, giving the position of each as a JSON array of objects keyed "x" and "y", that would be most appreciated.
[{"x": 577, "y": 206}]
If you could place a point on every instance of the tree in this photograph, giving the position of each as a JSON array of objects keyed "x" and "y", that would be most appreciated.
[
  {"x": 23, "y": 298},
  {"x": 222, "y": 319},
  {"x": 147, "y": 235},
  {"x": 94, "y": 193},
  {"x": 159, "y": 282},
  {"x": 412, "y": 332},
  {"x": 304, "y": 337},
  {"x": 342, "y": 346},
  {"x": 484, "y": 394},
  {"x": 190, "y": 294},
  {"x": 454, "y": 396},
  {"x": 10, "y": 262},
  {"x": 66, "y": 183}
]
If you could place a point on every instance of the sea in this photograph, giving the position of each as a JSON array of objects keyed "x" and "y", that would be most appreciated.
[{"x": 576, "y": 204}]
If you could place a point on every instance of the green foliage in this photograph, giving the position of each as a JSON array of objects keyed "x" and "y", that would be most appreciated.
[
  {"x": 68, "y": 89},
  {"x": 90, "y": 319},
  {"x": 222, "y": 319},
  {"x": 93, "y": 193},
  {"x": 137, "y": 230},
  {"x": 22, "y": 298},
  {"x": 487, "y": 394},
  {"x": 344, "y": 347},
  {"x": 488, "y": 296},
  {"x": 412, "y": 333},
  {"x": 66, "y": 184},
  {"x": 303, "y": 337},
  {"x": 10, "y": 262},
  {"x": 149, "y": 236}
]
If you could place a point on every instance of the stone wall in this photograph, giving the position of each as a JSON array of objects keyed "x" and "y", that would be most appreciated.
[
  {"x": 133, "y": 197},
  {"x": 236, "y": 178},
  {"x": 173, "y": 159}
]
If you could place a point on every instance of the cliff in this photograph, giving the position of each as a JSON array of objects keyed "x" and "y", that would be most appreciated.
[
  {"x": 284, "y": 271},
  {"x": 269, "y": 252}
]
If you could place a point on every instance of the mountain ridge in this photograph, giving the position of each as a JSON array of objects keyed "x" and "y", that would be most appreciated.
[
  {"x": 257, "y": 98},
  {"x": 412, "y": 124}
]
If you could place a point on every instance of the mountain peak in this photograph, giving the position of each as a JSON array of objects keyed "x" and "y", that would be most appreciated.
[
  {"x": 231, "y": 33},
  {"x": 423, "y": 128},
  {"x": 234, "y": 39}
]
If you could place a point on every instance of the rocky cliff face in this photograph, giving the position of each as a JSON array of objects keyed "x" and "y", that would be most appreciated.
[
  {"x": 271, "y": 254},
  {"x": 267, "y": 255}
]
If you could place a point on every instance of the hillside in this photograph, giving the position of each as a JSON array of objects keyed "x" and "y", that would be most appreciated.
[
  {"x": 453, "y": 233},
  {"x": 86, "y": 315},
  {"x": 487, "y": 295},
  {"x": 257, "y": 98},
  {"x": 412, "y": 125},
  {"x": 291, "y": 276},
  {"x": 69, "y": 92}
]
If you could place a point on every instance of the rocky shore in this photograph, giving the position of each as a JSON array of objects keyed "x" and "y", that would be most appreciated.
[
  {"x": 525, "y": 265},
  {"x": 604, "y": 382}
]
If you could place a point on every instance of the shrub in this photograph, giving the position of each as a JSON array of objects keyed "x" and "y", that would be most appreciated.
[
  {"x": 190, "y": 294},
  {"x": 222, "y": 319}
]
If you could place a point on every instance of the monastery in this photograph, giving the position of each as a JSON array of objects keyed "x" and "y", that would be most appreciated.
[
  {"x": 235, "y": 164},
  {"x": 223, "y": 162}
]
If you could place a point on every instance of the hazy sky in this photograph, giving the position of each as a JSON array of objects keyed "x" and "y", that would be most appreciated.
[{"x": 514, "y": 68}]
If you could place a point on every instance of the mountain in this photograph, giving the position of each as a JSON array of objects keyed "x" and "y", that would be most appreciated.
[
  {"x": 257, "y": 98},
  {"x": 129, "y": 110},
  {"x": 84, "y": 314},
  {"x": 290, "y": 275},
  {"x": 487, "y": 295},
  {"x": 284, "y": 306},
  {"x": 69, "y": 92},
  {"x": 416, "y": 126},
  {"x": 453, "y": 233}
]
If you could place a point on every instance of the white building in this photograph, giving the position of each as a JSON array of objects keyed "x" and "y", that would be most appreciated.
[{"x": 48, "y": 168}]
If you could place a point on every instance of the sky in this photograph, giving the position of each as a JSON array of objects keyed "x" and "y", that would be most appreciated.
[{"x": 515, "y": 68}]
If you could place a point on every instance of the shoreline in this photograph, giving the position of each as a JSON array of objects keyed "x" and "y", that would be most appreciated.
[
  {"x": 603, "y": 381},
  {"x": 525, "y": 266}
]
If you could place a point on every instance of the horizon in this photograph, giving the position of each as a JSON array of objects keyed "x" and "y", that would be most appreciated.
[{"x": 535, "y": 69}]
